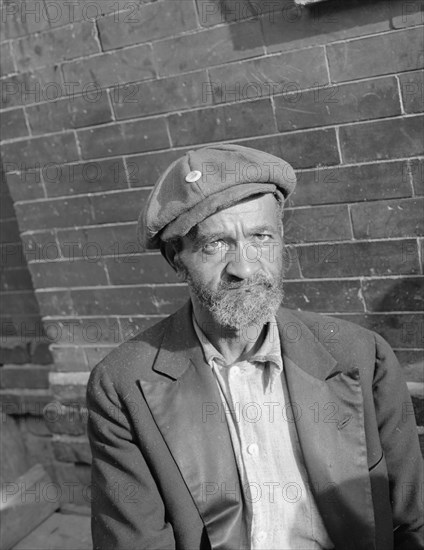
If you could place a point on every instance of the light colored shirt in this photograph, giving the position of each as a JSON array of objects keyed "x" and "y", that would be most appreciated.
[{"x": 280, "y": 511}]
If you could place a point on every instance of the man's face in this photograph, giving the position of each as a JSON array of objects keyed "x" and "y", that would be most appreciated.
[{"x": 233, "y": 263}]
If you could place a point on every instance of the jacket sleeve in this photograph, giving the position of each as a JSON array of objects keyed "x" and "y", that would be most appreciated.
[
  {"x": 399, "y": 439},
  {"x": 127, "y": 510}
]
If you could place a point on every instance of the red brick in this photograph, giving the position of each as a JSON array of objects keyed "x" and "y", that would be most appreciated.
[
  {"x": 60, "y": 14},
  {"x": 352, "y": 183},
  {"x": 412, "y": 363},
  {"x": 160, "y": 96},
  {"x": 13, "y": 350},
  {"x": 321, "y": 223},
  {"x": 113, "y": 240},
  {"x": 215, "y": 12},
  {"x": 124, "y": 138},
  {"x": 301, "y": 150},
  {"x": 64, "y": 114},
  {"x": 338, "y": 103},
  {"x": 40, "y": 246},
  {"x": 84, "y": 177},
  {"x": 7, "y": 210},
  {"x": 392, "y": 52},
  {"x": 401, "y": 330},
  {"x": 6, "y": 65},
  {"x": 75, "y": 484},
  {"x": 72, "y": 449},
  {"x": 251, "y": 118},
  {"x": 42, "y": 84},
  {"x": 129, "y": 301},
  {"x": 140, "y": 269},
  {"x": 323, "y": 296},
  {"x": 80, "y": 332},
  {"x": 56, "y": 45},
  {"x": 25, "y": 185},
  {"x": 11, "y": 255},
  {"x": 366, "y": 259},
  {"x": 412, "y": 89},
  {"x": 96, "y": 354},
  {"x": 123, "y": 66},
  {"x": 21, "y": 17},
  {"x": 210, "y": 47},
  {"x": 383, "y": 139},
  {"x": 144, "y": 170},
  {"x": 21, "y": 301},
  {"x": 9, "y": 233},
  {"x": 70, "y": 420},
  {"x": 68, "y": 273},
  {"x": 296, "y": 26},
  {"x": 13, "y": 124},
  {"x": 394, "y": 294},
  {"x": 54, "y": 213},
  {"x": 41, "y": 150},
  {"x": 69, "y": 358},
  {"x": 24, "y": 401},
  {"x": 147, "y": 23},
  {"x": 407, "y": 13},
  {"x": 132, "y": 325},
  {"x": 264, "y": 76},
  {"x": 403, "y": 218},
  {"x": 291, "y": 263},
  {"x": 15, "y": 279},
  {"x": 417, "y": 172},
  {"x": 119, "y": 207},
  {"x": 24, "y": 376}
]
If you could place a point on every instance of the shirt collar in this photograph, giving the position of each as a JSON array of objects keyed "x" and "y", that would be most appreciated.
[{"x": 270, "y": 350}]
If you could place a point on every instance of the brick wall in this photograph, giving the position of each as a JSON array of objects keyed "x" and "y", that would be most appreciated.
[{"x": 99, "y": 97}]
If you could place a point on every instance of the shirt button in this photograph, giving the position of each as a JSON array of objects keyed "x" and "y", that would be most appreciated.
[{"x": 253, "y": 449}]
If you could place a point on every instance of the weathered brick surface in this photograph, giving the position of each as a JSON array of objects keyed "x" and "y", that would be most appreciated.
[
  {"x": 212, "y": 47},
  {"x": 388, "y": 219},
  {"x": 77, "y": 112},
  {"x": 56, "y": 45},
  {"x": 382, "y": 139},
  {"x": 99, "y": 98},
  {"x": 13, "y": 124},
  {"x": 161, "y": 96},
  {"x": 365, "y": 182},
  {"x": 124, "y": 139},
  {"x": 412, "y": 89},
  {"x": 391, "y": 53},
  {"x": 338, "y": 103},
  {"x": 265, "y": 76},
  {"x": 149, "y": 22},
  {"x": 220, "y": 123},
  {"x": 369, "y": 259},
  {"x": 129, "y": 65}
]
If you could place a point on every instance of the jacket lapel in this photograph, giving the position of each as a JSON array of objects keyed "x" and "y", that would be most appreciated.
[
  {"x": 328, "y": 411},
  {"x": 185, "y": 402}
]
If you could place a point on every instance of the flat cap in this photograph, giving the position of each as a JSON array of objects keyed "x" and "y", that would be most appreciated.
[{"x": 205, "y": 181}]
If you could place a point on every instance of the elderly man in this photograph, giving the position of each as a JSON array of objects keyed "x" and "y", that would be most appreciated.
[{"x": 235, "y": 423}]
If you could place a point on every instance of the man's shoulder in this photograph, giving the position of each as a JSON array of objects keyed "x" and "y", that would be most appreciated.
[
  {"x": 340, "y": 337},
  {"x": 133, "y": 356}
]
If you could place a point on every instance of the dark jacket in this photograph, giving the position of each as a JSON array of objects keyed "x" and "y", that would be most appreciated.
[{"x": 164, "y": 473}]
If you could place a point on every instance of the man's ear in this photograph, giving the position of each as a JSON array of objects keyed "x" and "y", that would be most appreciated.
[{"x": 169, "y": 252}]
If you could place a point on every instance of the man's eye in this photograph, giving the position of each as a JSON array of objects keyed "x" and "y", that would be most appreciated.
[
  {"x": 212, "y": 247},
  {"x": 262, "y": 237}
]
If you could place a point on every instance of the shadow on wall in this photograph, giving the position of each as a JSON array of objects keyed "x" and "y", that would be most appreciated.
[{"x": 21, "y": 332}]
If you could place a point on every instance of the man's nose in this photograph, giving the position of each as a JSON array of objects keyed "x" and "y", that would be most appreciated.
[{"x": 241, "y": 263}]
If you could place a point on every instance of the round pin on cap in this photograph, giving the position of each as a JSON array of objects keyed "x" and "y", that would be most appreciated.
[{"x": 193, "y": 176}]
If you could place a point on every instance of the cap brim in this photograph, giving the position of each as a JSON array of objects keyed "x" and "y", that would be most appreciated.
[{"x": 218, "y": 201}]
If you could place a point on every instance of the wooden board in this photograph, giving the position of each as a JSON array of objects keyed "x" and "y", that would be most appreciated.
[{"x": 59, "y": 532}]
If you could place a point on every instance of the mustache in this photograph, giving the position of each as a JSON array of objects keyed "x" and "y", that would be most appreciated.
[{"x": 257, "y": 280}]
